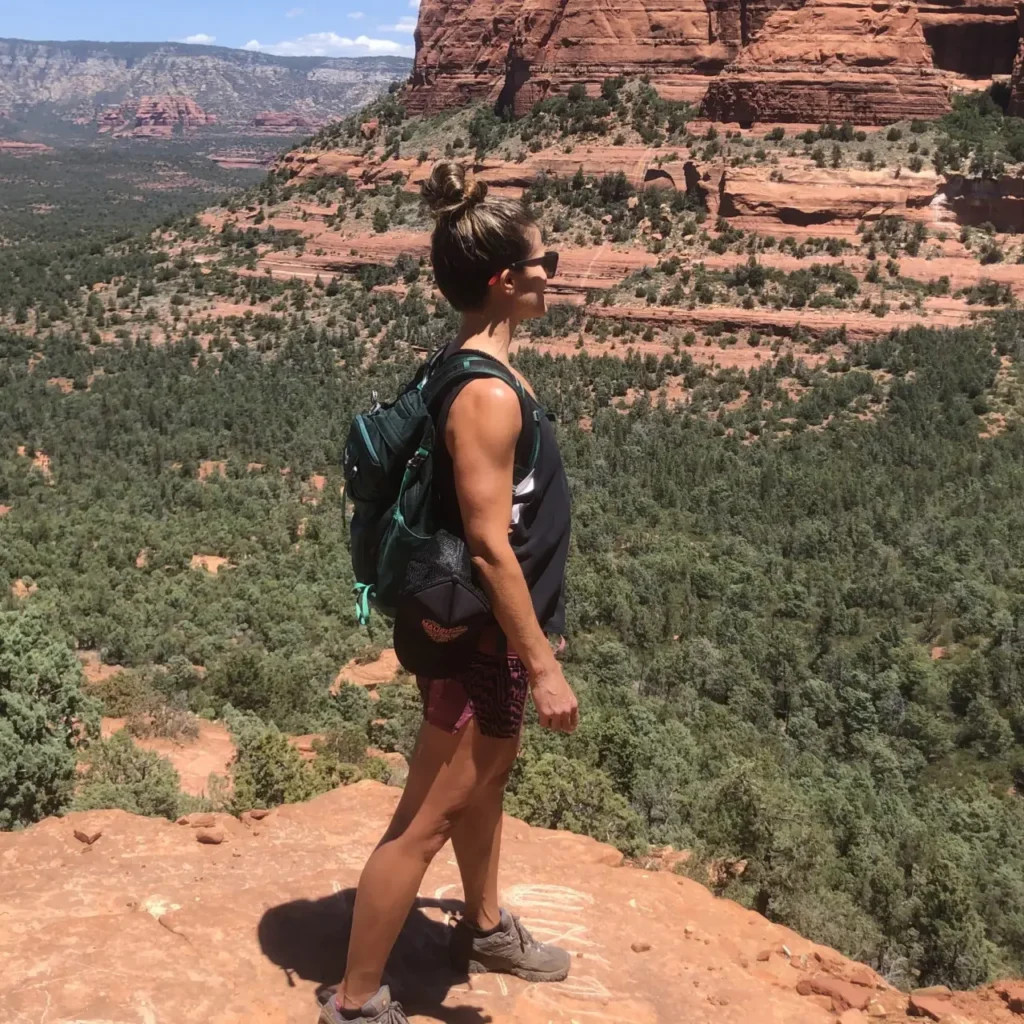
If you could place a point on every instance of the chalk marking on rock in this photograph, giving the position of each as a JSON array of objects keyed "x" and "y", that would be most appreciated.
[
  {"x": 501, "y": 984},
  {"x": 559, "y": 932},
  {"x": 548, "y": 997},
  {"x": 156, "y": 906},
  {"x": 145, "y": 1008},
  {"x": 548, "y": 897}
]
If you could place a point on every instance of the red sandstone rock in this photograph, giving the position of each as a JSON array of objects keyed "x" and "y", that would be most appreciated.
[
  {"x": 1012, "y": 993},
  {"x": 153, "y": 117},
  {"x": 514, "y": 54},
  {"x": 1016, "y": 105},
  {"x": 151, "y": 929},
  {"x": 289, "y": 122},
  {"x": 844, "y": 996},
  {"x": 369, "y": 128},
  {"x": 213, "y": 837},
  {"x": 87, "y": 837},
  {"x": 852, "y": 1017},
  {"x": 865, "y": 60},
  {"x": 934, "y": 1007}
]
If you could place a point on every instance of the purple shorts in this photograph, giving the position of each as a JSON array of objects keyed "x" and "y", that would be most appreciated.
[{"x": 492, "y": 690}]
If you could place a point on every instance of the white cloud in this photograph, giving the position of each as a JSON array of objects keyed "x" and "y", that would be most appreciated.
[
  {"x": 295, "y": 12},
  {"x": 406, "y": 25},
  {"x": 356, "y": 15},
  {"x": 414, "y": 4},
  {"x": 200, "y": 37},
  {"x": 330, "y": 44}
]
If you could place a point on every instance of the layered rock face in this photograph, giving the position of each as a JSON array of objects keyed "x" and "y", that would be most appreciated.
[
  {"x": 768, "y": 60},
  {"x": 514, "y": 53},
  {"x": 976, "y": 38},
  {"x": 865, "y": 61},
  {"x": 1016, "y": 107},
  {"x": 281, "y": 123},
  {"x": 154, "y": 117}
]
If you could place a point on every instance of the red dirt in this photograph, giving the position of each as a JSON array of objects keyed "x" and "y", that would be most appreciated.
[
  {"x": 211, "y": 467},
  {"x": 372, "y": 675},
  {"x": 196, "y": 760},
  {"x": 94, "y": 669},
  {"x": 210, "y": 563}
]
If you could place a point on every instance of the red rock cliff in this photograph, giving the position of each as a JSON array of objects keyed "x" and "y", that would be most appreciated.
[
  {"x": 775, "y": 60},
  {"x": 833, "y": 60},
  {"x": 514, "y": 52}
]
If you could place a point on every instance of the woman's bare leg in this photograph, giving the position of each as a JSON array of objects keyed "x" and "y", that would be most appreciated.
[
  {"x": 446, "y": 778},
  {"x": 476, "y": 840}
]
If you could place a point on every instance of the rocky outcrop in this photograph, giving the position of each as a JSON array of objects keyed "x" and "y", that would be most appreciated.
[
  {"x": 866, "y": 61},
  {"x": 514, "y": 54},
  {"x": 160, "y": 116},
  {"x": 873, "y": 61},
  {"x": 289, "y": 122},
  {"x": 1016, "y": 106},
  {"x": 975, "y": 201},
  {"x": 974, "y": 38},
  {"x": 154, "y": 117},
  {"x": 220, "y": 920},
  {"x": 812, "y": 196}
]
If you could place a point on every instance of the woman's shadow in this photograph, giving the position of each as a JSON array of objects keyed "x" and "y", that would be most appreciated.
[{"x": 309, "y": 938}]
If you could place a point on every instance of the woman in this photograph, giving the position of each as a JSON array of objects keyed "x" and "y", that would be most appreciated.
[{"x": 490, "y": 264}]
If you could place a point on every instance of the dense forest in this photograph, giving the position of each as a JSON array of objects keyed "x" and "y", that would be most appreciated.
[{"x": 796, "y": 600}]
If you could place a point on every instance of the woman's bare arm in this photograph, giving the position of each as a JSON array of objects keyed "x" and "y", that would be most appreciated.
[{"x": 481, "y": 433}]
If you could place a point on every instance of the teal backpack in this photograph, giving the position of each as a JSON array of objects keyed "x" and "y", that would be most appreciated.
[{"x": 389, "y": 468}]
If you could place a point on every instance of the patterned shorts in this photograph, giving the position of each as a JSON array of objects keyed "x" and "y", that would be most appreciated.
[{"x": 492, "y": 690}]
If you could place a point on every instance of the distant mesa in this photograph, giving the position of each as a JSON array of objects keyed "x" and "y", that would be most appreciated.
[
  {"x": 154, "y": 117},
  {"x": 282, "y": 122}
]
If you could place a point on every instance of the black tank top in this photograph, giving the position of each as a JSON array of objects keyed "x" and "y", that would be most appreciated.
[{"x": 540, "y": 510}]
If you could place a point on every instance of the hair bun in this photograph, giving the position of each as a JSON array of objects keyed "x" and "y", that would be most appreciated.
[{"x": 452, "y": 189}]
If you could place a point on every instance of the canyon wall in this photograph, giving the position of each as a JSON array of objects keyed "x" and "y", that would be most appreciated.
[{"x": 746, "y": 60}]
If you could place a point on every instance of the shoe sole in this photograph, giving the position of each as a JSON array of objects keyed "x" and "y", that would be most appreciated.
[{"x": 475, "y": 967}]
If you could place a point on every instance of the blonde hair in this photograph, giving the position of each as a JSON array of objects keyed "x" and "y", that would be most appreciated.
[{"x": 474, "y": 237}]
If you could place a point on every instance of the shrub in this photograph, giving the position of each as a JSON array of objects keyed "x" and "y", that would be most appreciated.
[
  {"x": 552, "y": 791},
  {"x": 121, "y": 775},
  {"x": 41, "y": 705}
]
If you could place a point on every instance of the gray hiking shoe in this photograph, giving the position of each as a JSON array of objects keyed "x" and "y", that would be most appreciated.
[
  {"x": 379, "y": 1010},
  {"x": 509, "y": 950}
]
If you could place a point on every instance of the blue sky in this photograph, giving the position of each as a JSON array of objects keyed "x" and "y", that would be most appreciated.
[{"x": 340, "y": 28}]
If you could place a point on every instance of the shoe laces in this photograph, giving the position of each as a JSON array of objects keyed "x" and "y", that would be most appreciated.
[
  {"x": 394, "y": 1014},
  {"x": 526, "y": 940}
]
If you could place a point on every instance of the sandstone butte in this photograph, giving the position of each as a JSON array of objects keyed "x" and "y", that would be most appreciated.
[
  {"x": 154, "y": 117},
  {"x": 873, "y": 61},
  {"x": 215, "y": 920}
]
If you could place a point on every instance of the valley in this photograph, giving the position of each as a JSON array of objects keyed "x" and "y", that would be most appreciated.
[{"x": 783, "y": 355}]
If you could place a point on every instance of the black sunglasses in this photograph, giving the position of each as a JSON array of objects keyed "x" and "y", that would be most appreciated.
[{"x": 549, "y": 261}]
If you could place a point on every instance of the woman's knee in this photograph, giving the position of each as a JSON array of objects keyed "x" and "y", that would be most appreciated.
[{"x": 427, "y": 834}]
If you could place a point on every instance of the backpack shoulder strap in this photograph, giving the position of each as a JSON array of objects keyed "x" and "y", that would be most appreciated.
[{"x": 459, "y": 369}]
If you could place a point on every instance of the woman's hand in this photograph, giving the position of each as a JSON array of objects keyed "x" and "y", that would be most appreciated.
[{"x": 556, "y": 704}]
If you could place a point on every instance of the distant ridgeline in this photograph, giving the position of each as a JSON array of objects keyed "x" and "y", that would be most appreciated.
[{"x": 123, "y": 86}]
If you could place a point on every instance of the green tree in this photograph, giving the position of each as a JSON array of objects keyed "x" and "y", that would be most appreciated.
[
  {"x": 553, "y": 791},
  {"x": 43, "y": 712}
]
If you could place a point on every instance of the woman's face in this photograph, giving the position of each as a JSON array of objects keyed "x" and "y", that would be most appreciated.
[{"x": 531, "y": 282}]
